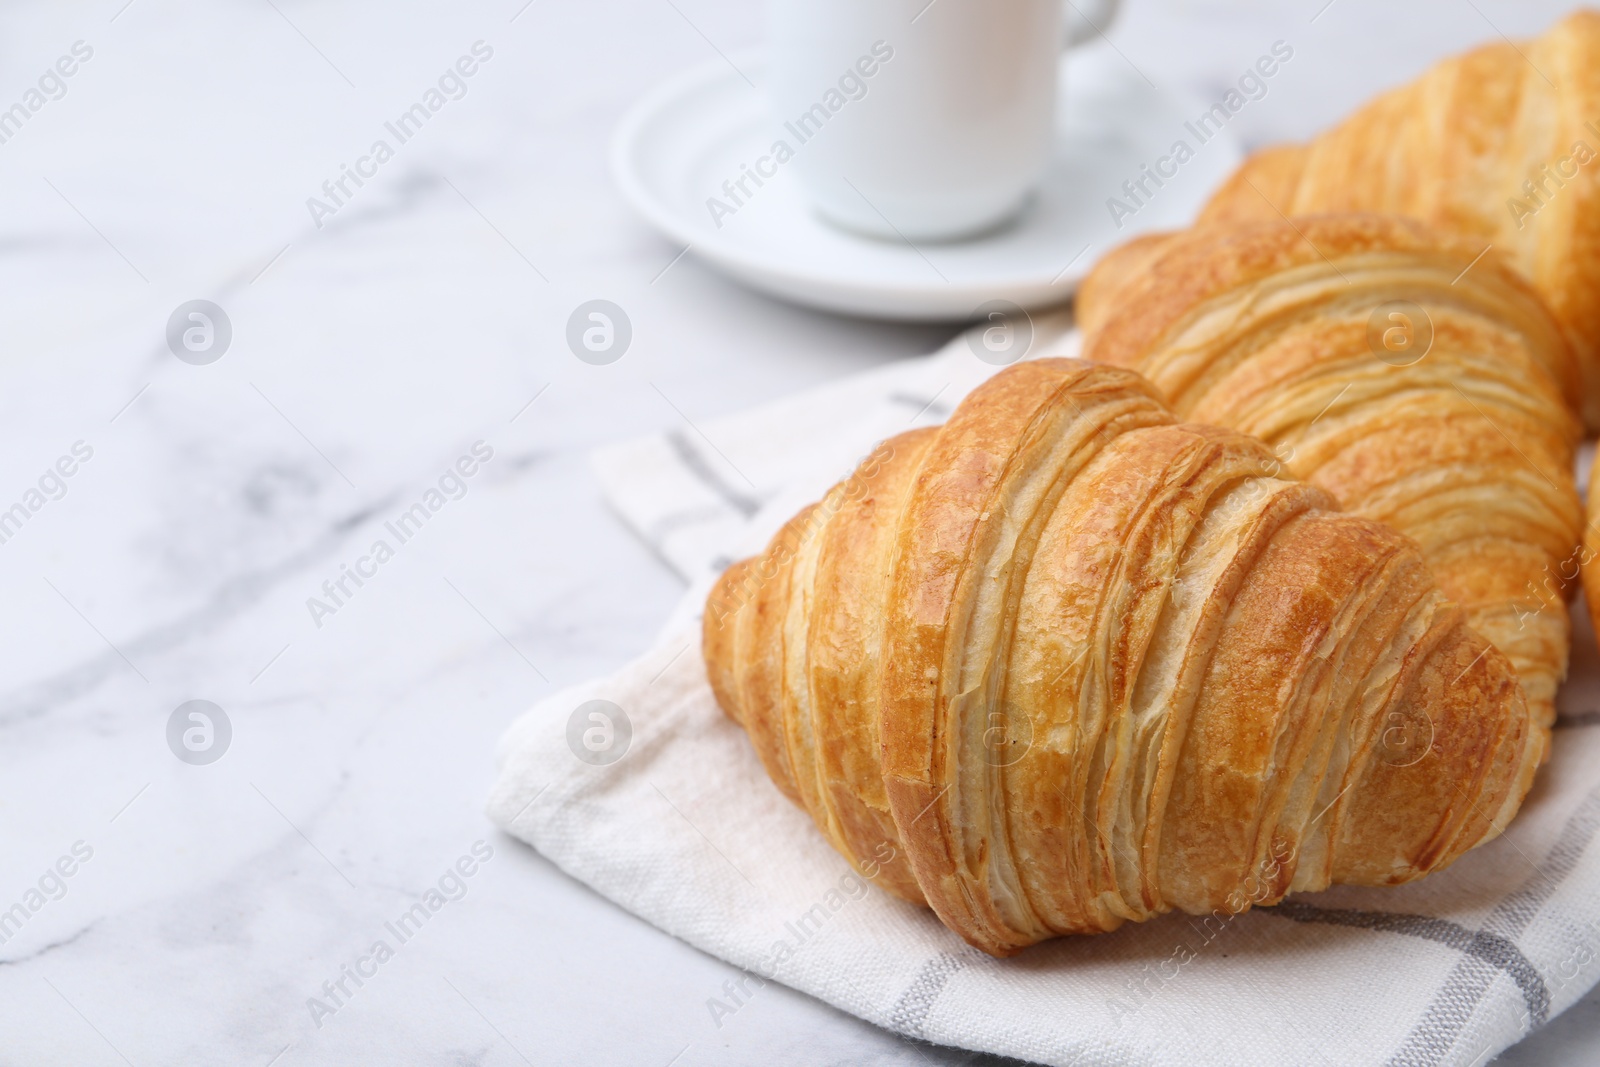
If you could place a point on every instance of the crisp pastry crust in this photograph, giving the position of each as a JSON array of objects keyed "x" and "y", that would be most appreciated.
[
  {"x": 1500, "y": 145},
  {"x": 1267, "y": 328},
  {"x": 1065, "y": 662}
]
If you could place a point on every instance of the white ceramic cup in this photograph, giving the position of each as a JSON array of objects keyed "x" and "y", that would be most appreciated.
[{"x": 918, "y": 120}]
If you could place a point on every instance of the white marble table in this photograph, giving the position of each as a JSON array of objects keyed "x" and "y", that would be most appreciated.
[{"x": 367, "y": 356}]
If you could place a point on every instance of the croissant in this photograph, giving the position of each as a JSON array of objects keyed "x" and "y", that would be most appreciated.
[
  {"x": 1419, "y": 384},
  {"x": 1499, "y": 145},
  {"x": 1065, "y": 662}
]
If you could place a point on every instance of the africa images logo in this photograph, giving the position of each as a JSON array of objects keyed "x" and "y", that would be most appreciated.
[
  {"x": 451, "y": 85},
  {"x": 1252, "y": 85},
  {"x": 453, "y": 485},
  {"x": 852, "y": 85},
  {"x": 452, "y": 885}
]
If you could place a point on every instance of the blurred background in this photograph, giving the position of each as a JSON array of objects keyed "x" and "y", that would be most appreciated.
[{"x": 369, "y": 349}]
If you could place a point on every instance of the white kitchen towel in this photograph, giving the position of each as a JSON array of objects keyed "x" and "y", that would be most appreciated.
[{"x": 639, "y": 786}]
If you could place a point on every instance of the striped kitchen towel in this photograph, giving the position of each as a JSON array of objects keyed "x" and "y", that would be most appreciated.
[{"x": 639, "y": 786}]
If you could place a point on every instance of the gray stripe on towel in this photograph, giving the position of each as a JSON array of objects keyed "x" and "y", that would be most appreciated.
[
  {"x": 1500, "y": 953},
  {"x": 696, "y": 465},
  {"x": 911, "y": 1010},
  {"x": 1440, "y": 1028}
]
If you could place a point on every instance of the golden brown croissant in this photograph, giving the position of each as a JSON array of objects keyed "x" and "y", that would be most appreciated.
[
  {"x": 1065, "y": 662},
  {"x": 1501, "y": 145},
  {"x": 1461, "y": 441}
]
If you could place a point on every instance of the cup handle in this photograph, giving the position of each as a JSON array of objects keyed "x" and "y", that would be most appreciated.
[{"x": 1087, "y": 19}]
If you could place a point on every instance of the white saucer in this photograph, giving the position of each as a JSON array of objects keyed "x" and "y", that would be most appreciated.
[{"x": 685, "y": 138}]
